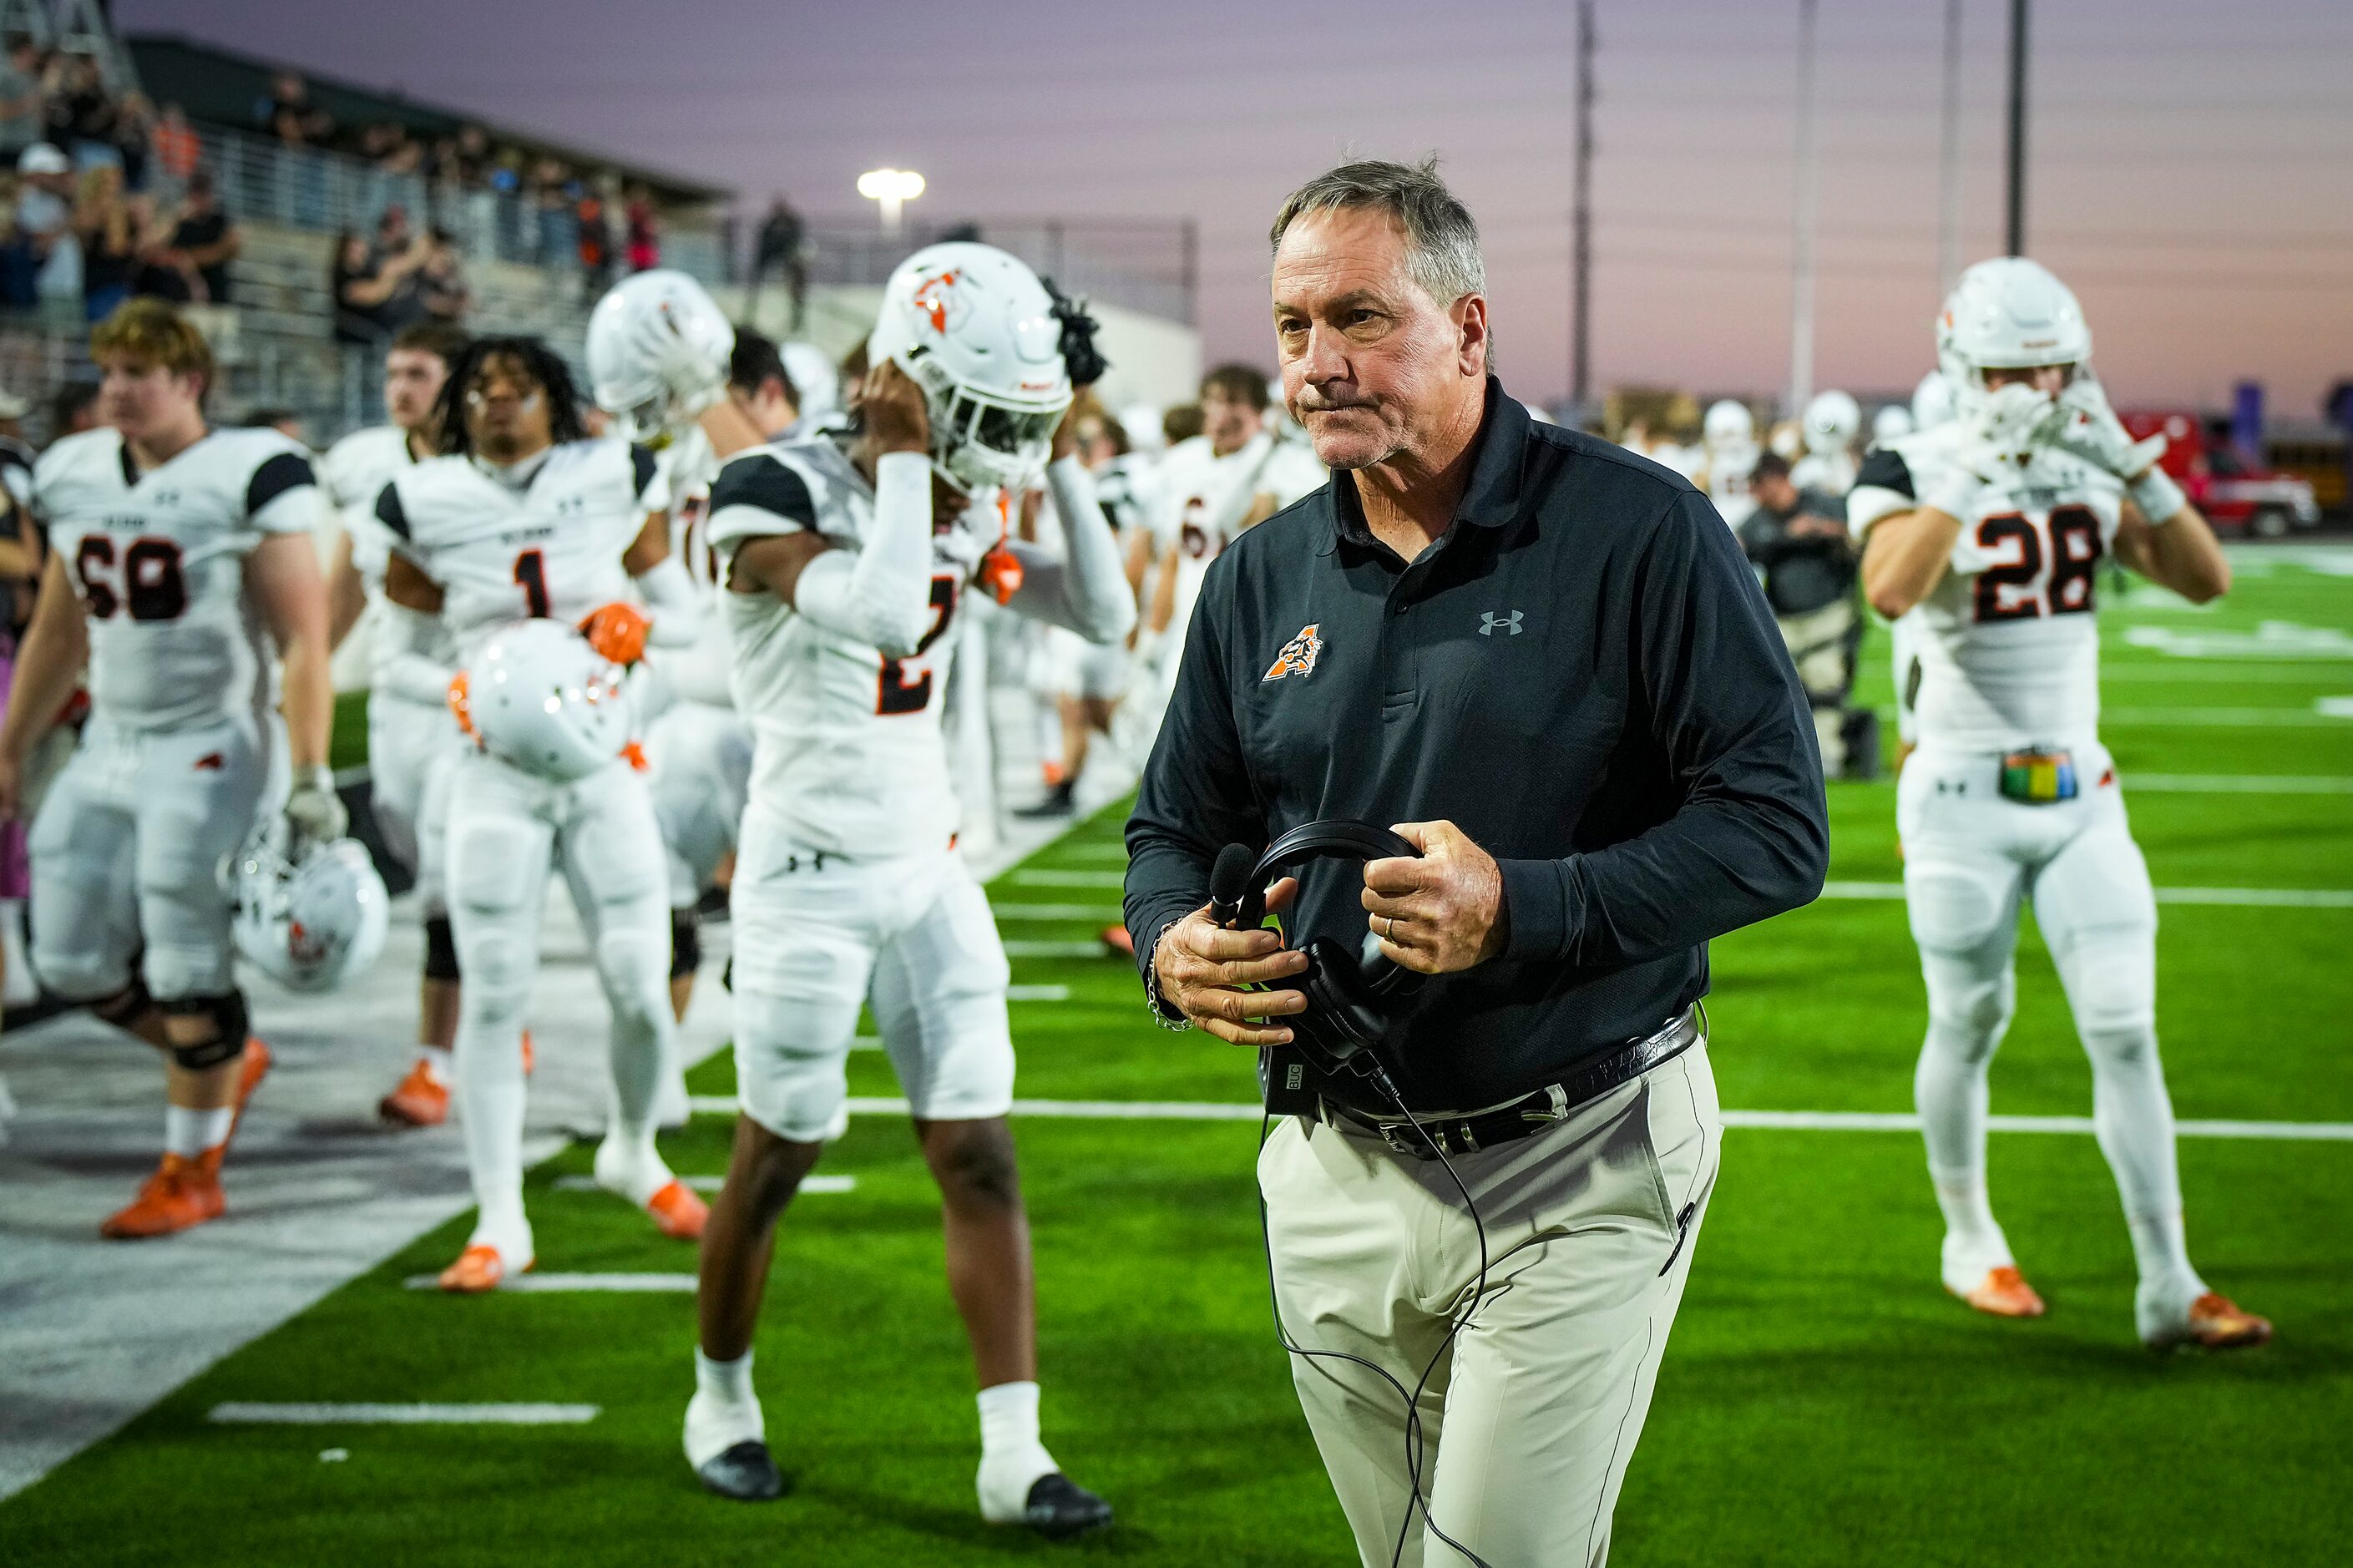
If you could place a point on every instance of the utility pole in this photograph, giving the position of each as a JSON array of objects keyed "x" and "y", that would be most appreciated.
[
  {"x": 1580, "y": 224},
  {"x": 1948, "y": 226},
  {"x": 2017, "y": 228},
  {"x": 1802, "y": 247}
]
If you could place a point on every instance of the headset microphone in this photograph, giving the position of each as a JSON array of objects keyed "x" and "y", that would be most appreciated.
[{"x": 1230, "y": 885}]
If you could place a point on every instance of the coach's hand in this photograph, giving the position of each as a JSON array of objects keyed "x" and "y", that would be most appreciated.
[
  {"x": 1202, "y": 967},
  {"x": 1441, "y": 911},
  {"x": 894, "y": 408}
]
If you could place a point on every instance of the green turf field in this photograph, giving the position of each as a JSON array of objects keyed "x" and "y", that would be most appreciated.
[{"x": 1823, "y": 1402}]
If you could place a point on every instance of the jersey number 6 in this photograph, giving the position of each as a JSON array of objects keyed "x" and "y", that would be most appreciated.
[
  {"x": 154, "y": 587},
  {"x": 894, "y": 693}
]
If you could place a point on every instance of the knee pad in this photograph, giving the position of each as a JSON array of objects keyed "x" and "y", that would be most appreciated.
[
  {"x": 441, "y": 949},
  {"x": 498, "y": 976},
  {"x": 632, "y": 964},
  {"x": 685, "y": 943},
  {"x": 126, "y": 1007},
  {"x": 227, "y": 1015},
  {"x": 964, "y": 1069},
  {"x": 2111, "y": 978},
  {"x": 790, "y": 1056},
  {"x": 1969, "y": 1007}
]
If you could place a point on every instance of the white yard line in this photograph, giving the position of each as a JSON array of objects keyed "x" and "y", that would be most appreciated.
[
  {"x": 243, "y": 1414},
  {"x": 2236, "y": 783},
  {"x": 1017, "y": 949},
  {"x": 565, "y": 1284},
  {"x": 1783, "y": 1121},
  {"x": 2315, "y": 718},
  {"x": 2238, "y": 898},
  {"x": 1098, "y": 914},
  {"x": 1037, "y": 993},
  {"x": 1053, "y": 877},
  {"x": 710, "y": 1183}
]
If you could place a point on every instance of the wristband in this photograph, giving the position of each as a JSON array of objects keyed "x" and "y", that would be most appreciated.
[{"x": 2159, "y": 499}]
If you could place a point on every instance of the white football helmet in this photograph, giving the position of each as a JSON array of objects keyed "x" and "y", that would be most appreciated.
[
  {"x": 978, "y": 331},
  {"x": 541, "y": 701},
  {"x": 2008, "y": 313},
  {"x": 1728, "y": 424},
  {"x": 1892, "y": 422},
  {"x": 652, "y": 332},
  {"x": 311, "y": 924},
  {"x": 1833, "y": 421},
  {"x": 817, "y": 384},
  {"x": 1932, "y": 401}
]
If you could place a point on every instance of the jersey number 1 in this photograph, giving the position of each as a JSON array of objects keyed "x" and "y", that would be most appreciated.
[
  {"x": 531, "y": 577},
  {"x": 894, "y": 693}
]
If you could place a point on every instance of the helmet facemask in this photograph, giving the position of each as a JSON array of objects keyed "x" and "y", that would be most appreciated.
[{"x": 983, "y": 441}]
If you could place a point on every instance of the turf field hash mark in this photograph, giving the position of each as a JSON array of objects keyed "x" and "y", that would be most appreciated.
[
  {"x": 569, "y": 1284},
  {"x": 245, "y": 1414},
  {"x": 712, "y": 1184},
  {"x": 1049, "y": 877},
  {"x": 1096, "y": 914},
  {"x": 2243, "y": 898}
]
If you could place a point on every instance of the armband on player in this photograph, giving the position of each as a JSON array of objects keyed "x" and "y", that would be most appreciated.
[{"x": 2159, "y": 499}]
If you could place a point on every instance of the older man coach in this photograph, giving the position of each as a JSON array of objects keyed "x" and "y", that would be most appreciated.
[{"x": 1545, "y": 661}]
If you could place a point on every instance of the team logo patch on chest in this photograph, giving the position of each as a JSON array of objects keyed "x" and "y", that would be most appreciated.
[{"x": 1298, "y": 656}]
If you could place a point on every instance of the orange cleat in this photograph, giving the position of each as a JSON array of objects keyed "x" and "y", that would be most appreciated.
[
  {"x": 421, "y": 1100},
  {"x": 1116, "y": 938},
  {"x": 252, "y": 1067},
  {"x": 182, "y": 1192},
  {"x": 2004, "y": 1293},
  {"x": 679, "y": 1212},
  {"x": 2218, "y": 1323},
  {"x": 479, "y": 1268}
]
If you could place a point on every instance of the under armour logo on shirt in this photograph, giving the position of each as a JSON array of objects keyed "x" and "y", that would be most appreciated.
[{"x": 1489, "y": 621}]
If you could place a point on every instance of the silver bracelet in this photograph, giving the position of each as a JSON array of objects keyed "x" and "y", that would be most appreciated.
[{"x": 1160, "y": 1005}]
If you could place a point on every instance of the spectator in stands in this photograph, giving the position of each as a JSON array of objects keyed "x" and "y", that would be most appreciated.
[
  {"x": 374, "y": 293},
  {"x": 41, "y": 258},
  {"x": 207, "y": 238},
  {"x": 174, "y": 152},
  {"x": 290, "y": 115},
  {"x": 644, "y": 237},
  {"x": 110, "y": 231},
  {"x": 441, "y": 288},
  {"x": 82, "y": 118},
  {"x": 595, "y": 241},
  {"x": 73, "y": 408},
  {"x": 551, "y": 195},
  {"x": 135, "y": 126},
  {"x": 22, "y": 120},
  {"x": 392, "y": 232},
  {"x": 782, "y": 247}
]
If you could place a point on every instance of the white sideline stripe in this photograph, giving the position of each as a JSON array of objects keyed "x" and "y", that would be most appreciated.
[
  {"x": 1115, "y": 852},
  {"x": 2320, "y": 717},
  {"x": 2238, "y": 784},
  {"x": 565, "y": 1284},
  {"x": 249, "y": 1413},
  {"x": 2246, "y": 897},
  {"x": 1054, "y": 950},
  {"x": 1037, "y": 993},
  {"x": 1790, "y": 1120},
  {"x": 1047, "y": 877},
  {"x": 710, "y": 1183},
  {"x": 1098, "y": 914}
]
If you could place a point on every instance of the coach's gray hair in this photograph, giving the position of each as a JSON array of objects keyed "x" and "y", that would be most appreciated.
[{"x": 1441, "y": 239}]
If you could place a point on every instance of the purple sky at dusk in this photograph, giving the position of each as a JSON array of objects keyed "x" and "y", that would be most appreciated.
[{"x": 2192, "y": 174}]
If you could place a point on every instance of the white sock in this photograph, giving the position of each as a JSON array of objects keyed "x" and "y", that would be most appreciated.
[
  {"x": 1949, "y": 1088},
  {"x": 490, "y": 1111},
  {"x": 189, "y": 1133},
  {"x": 1011, "y": 1457},
  {"x": 2133, "y": 1118},
  {"x": 438, "y": 1062},
  {"x": 630, "y": 1166},
  {"x": 725, "y": 1411}
]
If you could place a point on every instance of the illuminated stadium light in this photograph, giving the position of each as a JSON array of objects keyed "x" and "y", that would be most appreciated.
[{"x": 891, "y": 189}]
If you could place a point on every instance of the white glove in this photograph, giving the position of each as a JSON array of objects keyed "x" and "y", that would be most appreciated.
[
  {"x": 314, "y": 812},
  {"x": 2086, "y": 426},
  {"x": 694, "y": 383}
]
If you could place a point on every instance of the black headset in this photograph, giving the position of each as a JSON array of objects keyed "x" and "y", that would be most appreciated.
[{"x": 1352, "y": 998}]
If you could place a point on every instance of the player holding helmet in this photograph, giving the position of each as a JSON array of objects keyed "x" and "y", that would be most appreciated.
[
  {"x": 181, "y": 554},
  {"x": 528, "y": 518},
  {"x": 1989, "y": 529},
  {"x": 845, "y": 561}
]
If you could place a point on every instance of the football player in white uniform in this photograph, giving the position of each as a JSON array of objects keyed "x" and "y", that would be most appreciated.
[
  {"x": 408, "y": 750},
  {"x": 528, "y": 518},
  {"x": 182, "y": 555},
  {"x": 1728, "y": 437},
  {"x": 1831, "y": 424},
  {"x": 838, "y": 589},
  {"x": 1991, "y": 529}
]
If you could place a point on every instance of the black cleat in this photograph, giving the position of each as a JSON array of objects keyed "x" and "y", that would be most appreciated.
[
  {"x": 747, "y": 1473},
  {"x": 1061, "y": 801},
  {"x": 1060, "y": 1509}
]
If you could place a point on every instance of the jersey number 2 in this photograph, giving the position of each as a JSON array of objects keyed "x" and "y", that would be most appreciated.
[
  {"x": 154, "y": 586},
  {"x": 531, "y": 577},
  {"x": 894, "y": 693},
  {"x": 2074, "y": 561}
]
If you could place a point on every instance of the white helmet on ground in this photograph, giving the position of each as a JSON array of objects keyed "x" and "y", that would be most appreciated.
[
  {"x": 2008, "y": 313},
  {"x": 1833, "y": 421},
  {"x": 656, "y": 342},
  {"x": 539, "y": 698},
  {"x": 1932, "y": 401},
  {"x": 310, "y": 924},
  {"x": 1892, "y": 422},
  {"x": 1728, "y": 424},
  {"x": 978, "y": 333},
  {"x": 817, "y": 384}
]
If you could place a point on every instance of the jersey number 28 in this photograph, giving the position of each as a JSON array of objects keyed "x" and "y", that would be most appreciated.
[
  {"x": 2016, "y": 587},
  {"x": 154, "y": 586}
]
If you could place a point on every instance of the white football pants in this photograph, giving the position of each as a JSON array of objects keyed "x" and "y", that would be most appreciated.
[{"x": 701, "y": 760}]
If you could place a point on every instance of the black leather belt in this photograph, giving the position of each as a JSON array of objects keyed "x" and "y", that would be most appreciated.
[{"x": 1522, "y": 1118}]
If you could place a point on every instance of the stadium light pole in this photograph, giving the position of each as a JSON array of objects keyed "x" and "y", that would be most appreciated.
[
  {"x": 2016, "y": 225},
  {"x": 890, "y": 190},
  {"x": 1580, "y": 221},
  {"x": 1801, "y": 248},
  {"x": 1948, "y": 226}
]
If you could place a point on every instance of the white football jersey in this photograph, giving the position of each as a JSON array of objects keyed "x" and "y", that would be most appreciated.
[
  {"x": 1201, "y": 496},
  {"x": 1726, "y": 480},
  {"x": 848, "y": 752},
  {"x": 159, "y": 560},
  {"x": 1832, "y": 473},
  {"x": 353, "y": 473},
  {"x": 2006, "y": 644},
  {"x": 550, "y": 548}
]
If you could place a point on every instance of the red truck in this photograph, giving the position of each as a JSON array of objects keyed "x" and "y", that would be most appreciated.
[{"x": 2237, "y": 496}]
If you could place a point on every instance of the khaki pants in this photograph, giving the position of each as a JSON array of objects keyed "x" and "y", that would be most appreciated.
[
  {"x": 1531, "y": 1416},
  {"x": 1821, "y": 645}
]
